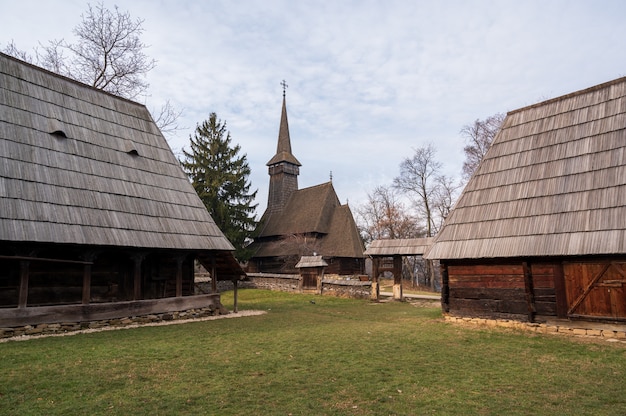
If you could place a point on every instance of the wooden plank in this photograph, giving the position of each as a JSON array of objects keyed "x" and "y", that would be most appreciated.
[
  {"x": 11, "y": 317},
  {"x": 528, "y": 286}
]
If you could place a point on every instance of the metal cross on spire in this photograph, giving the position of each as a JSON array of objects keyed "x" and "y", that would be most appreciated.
[{"x": 284, "y": 84}]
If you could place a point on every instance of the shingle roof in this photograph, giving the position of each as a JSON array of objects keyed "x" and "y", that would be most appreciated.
[
  {"x": 314, "y": 211},
  {"x": 553, "y": 183},
  {"x": 81, "y": 166},
  {"x": 402, "y": 247}
]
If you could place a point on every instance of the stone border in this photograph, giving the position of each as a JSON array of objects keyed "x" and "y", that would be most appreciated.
[
  {"x": 609, "y": 335},
  {"x": 72, "y": 328}
]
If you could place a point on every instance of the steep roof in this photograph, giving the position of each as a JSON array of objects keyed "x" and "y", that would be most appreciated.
[
  {"x": 308, "y": 210},
  {"x": 283, "y": 149},
  {"x": 553, "y": 183},
  {"x": 400, "y": 246},
  {"x": 312, "y": 211},
  {"x": 81, "y": 166}
]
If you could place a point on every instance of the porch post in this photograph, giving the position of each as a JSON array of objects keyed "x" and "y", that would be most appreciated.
[
  {"x": 375, "y": 271},
  {"x": 235, "y": 280},
  {"x": 213, "y": 274},
  {"x": 88, "y": 257},
  {"x": 24, "y": 272},
  {"x": 137, "y": 258},
  {"x": 179, "y": 276},
  {"x": 445, "y": 288},
  {"x": 397, "y": 277}
]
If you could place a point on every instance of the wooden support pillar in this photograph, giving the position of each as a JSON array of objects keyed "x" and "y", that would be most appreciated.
[
  {"x": 559, "y": 291},
  {"x": 397, "y": 278},
  {"x": 213, "y": 274},
  {"x": 179, "y": 276},
  {"x": 445, "y": 288},
  {"x": 88, "y": 257},
  {"x": 375, "y": 287},
  {"x": 86, "y": 283},
  {"x": 138, "y": 259},
  {"x": 24, "y": 272},
  {"x": 530, "y": 293},
  {"x": 235, "y": 281}
]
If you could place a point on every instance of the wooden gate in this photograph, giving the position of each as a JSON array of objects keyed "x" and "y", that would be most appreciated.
[{"x": 596, "y": 289}]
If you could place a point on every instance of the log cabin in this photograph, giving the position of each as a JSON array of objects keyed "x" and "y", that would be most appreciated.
[
  {"x": 539, "y": 232},
  {"x": 303, "y": 222},
  {"x": 97, "y": 218}
]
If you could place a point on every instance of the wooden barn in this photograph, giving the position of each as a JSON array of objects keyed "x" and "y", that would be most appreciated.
[
  {"x": 303, "y": 222},
  {"x": 97, "y": 218},
  {"x": 540, "y": 230}
]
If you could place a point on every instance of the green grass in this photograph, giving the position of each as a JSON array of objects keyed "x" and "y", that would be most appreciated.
[{"x": 331, "y": 357}]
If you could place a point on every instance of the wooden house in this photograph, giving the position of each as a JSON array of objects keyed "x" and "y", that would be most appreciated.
[
  {"x": 97, "y": 218},
  {"x": 303, "y": 222},
  {"x": 540, "y": 229}
]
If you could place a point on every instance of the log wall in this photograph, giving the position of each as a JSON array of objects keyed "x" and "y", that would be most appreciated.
[{"x": 507, "y": 289}]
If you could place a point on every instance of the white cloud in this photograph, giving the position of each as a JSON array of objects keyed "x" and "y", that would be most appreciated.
[{"x": 368, "y": 81}]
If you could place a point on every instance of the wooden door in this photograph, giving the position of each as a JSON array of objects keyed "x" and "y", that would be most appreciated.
[
  {"x": 309, "y": 279},
  {"x": 596, "y": 289}
]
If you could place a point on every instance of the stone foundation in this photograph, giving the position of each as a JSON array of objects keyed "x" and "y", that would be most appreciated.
[
  {"x": 64, "y": 327},
  {"x": 607, "y": 332}
]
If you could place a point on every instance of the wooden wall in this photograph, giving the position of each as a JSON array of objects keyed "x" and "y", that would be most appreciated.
[{"x": 505, "y": 289}]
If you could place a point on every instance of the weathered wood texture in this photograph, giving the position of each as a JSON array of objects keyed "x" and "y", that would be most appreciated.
[
  {"x": 596, "y": 289},
  {"x": 553, "y": 183},
  {"x": 99, "y": 311},
  {"x": 499, "y": 290}
]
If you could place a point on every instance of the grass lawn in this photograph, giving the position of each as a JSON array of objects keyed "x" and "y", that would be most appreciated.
[{"x": 331, "y": 357}]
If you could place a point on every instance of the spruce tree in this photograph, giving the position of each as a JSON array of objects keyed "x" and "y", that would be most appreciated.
[{"x": 220, "y": 177}]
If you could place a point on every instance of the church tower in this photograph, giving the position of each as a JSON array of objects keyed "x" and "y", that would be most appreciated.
[{"x": 283, "y": 168}]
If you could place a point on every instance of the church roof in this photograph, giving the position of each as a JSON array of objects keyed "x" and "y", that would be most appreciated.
[
  {"x": 312, "y": 211},
  {"x": 553, "y": 183},
  {"x": 81, "y": 166},
  {"x": 283, "y": 150}
]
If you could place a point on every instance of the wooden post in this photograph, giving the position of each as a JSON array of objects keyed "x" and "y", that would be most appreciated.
[
  {"x": 86, "y": 283},
  {"x": 137, "y": 258},
  {"x": 213, "y": 274},
  {"x": 179, "y": 276},
  {"x": 375, "y": 289},
  {"x": 530, "y": 294},
  {"x": 88, "y": 257},
  {"x": 397, "y": 278},
  {"x": 24, "y": 272},
  {"x": 559, "y": 291},
  {"x": 235, "y": 280},
  {"x": 445, "y": 288}
]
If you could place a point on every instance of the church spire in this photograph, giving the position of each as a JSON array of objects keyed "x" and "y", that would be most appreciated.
[
  {"x": 283, "y": 150},
  {"x": 283, "y": 167}
]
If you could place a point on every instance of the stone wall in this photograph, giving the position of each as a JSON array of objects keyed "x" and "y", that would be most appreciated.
[
  {"x": 572, "y": 328},
  {"x": 335, "y": 286},
  {"x": 346, "y": 288},
  {"x": 64, "y": 327}
]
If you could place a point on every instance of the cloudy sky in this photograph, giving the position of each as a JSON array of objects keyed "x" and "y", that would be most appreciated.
[{"x": 369, "y": 81}]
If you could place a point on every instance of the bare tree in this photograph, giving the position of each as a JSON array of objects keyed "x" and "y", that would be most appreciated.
[
  {"x": 384, "y": 216},
  {"x": 478, "y": 137},
  {"x": 445, "y": 194},
  {"x": 108, "y": 54},
  {"x": 417, "y": 179}
]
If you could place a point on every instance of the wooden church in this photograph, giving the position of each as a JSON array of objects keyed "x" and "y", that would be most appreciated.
[{"x": 303, "y": 222}]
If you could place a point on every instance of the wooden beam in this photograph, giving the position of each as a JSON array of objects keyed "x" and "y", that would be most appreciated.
[
  {"x": 213, "y": 274},
  {"x": 179, "y": 276},
  {"x": 86, "y": 283},
  {"x": 235, "y": 295},
  {"x": 445, "y": 288},
  {"x": 530, "y": 295},
  {"x": 24, "y": 272}
]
